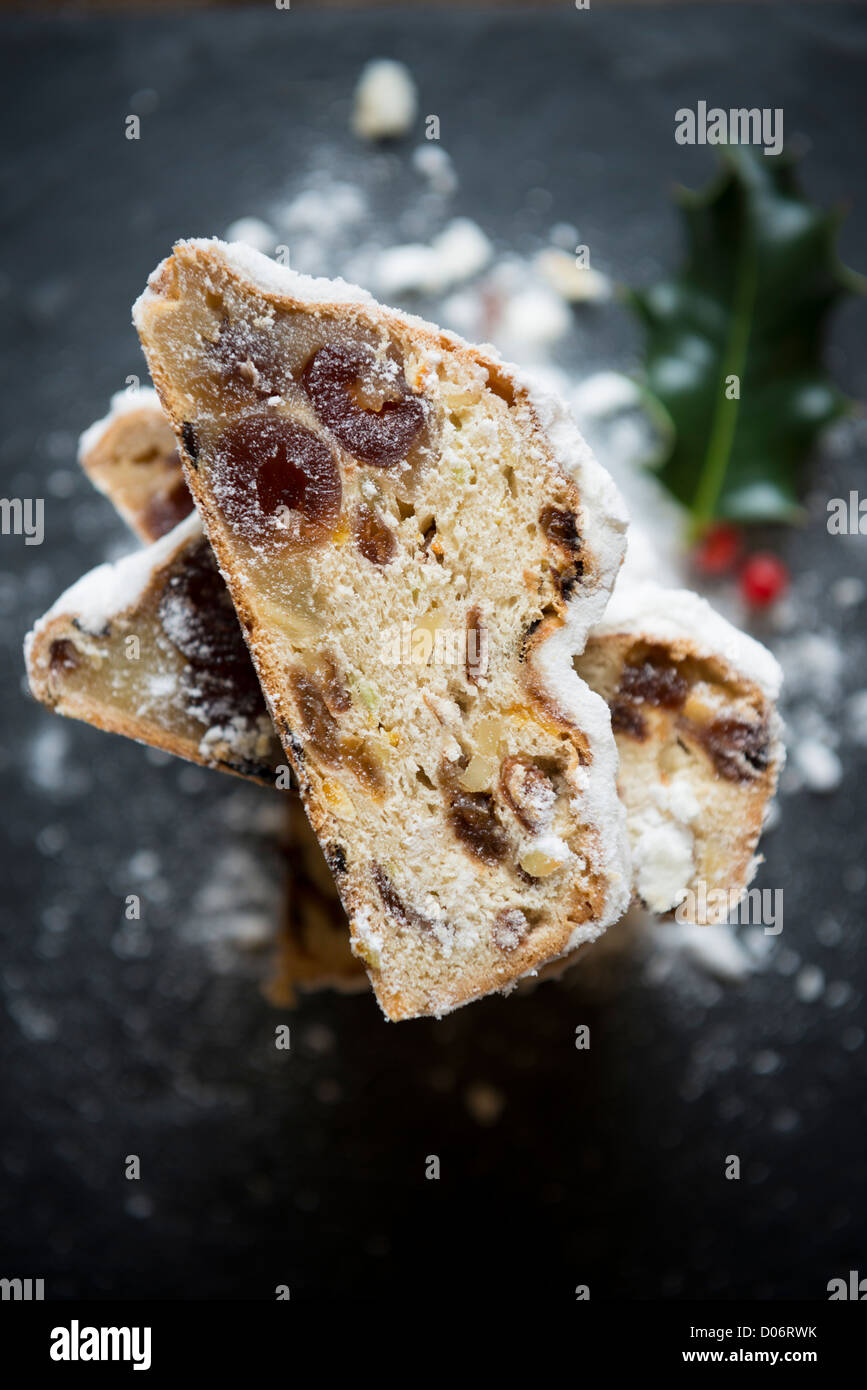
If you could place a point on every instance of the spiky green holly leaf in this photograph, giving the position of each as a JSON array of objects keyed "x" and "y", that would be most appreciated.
[{"x": 735, "y": 342}]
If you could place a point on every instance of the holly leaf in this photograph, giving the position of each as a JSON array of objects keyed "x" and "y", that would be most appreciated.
[{"x": 734, "y": 342}]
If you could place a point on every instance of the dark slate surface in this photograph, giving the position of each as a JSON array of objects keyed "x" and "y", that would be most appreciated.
[{"x": 604, "y": 1167}]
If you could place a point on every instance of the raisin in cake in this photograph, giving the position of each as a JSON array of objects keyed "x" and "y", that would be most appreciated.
[
  {"x": 150, "y": 647},
  {"x": 693, "y": 712},
  {"x": 360, "y": 474},
  {"x": 132, "y": 457}
]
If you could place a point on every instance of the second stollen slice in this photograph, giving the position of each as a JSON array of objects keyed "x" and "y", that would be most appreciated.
[{"x": 416, "y": 542}]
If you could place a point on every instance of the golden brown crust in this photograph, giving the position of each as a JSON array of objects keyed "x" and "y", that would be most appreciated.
[{"x": 133, "y": 461}]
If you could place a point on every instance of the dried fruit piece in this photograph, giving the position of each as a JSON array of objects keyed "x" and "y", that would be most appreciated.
[
  {"x": 529, "y": 792},
  {"x": 380, "y": 435},
  {"x": 476, "y": 663},
  {"x": 654, "y": 681},
  {"x": 510, "y": 929},
  {"x": 561, "y": 527},
  {"x": 197, "y": 616},
  {"x": 626, "y": 718},
  {"x": 334, "y": 748},
  {"x": 740, "y": 751},
  {"x": 406, "y": 915},
  {"x": 538, "y": 864},
  {"x": 376, "y": 541},
  {"x": 275, "y": 480},
  {"x": 248, "y": 360},
  {"x": 63, "y": 655},
  {"x": 473, "y": 818},
  {"x": 164, "y": 511}
]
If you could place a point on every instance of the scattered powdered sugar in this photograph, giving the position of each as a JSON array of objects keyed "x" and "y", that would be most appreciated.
[
  {"x": 819, "y": 766},
  {"x": 575, "y": 283},
  {"x": 455, "y": 254},
  {"x": 385, "y": 101},
  {"x": 435, "y": 165},
  {"x": 252, "y": 231},
  {"x": 238, "y": 905},
  {"x": 714, "y": 949}
]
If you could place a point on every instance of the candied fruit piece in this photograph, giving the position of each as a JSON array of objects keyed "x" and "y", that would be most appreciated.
[
  {"x": 510, "y": 929},
  {"x": 166, "y": 510},
  {"x": 197, "y": 617},
  {"x": 374, "y": 539},
  {"x": 473, "y": 818},
  {"x": 335, "y": 378},
  {"x": 529, "y": 792},
  {"x": 739, "y": 750},
  {"x": 538, "y": 864},
  {"x": 63, "y": 655},
  {"x": 275, "y": 480},
  {"x": 248, "y": 360},
  {"x": 654, "y": 681}
]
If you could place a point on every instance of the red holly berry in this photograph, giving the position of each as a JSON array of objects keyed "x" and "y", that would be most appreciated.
[
  {"x": 763, "y": 579},
  {"x": 718, "y": 549}
]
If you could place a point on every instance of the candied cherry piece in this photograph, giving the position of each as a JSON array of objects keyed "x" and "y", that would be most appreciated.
[
  {"x": 197, "y": 614},
  {"x": 268, "y": 465},
  {"x": 163, "y": 512},
  {"x": 654, "y": 682},
  {"x": 740, "y": 750},
  {"x": 63, "y": 655},
  {"x": 198, "y": 618},
  {"x": 334, "y": 379},
  {"x": 247, "y": 359}
]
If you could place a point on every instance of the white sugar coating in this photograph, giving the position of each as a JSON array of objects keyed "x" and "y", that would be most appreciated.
[
  {"x": 269, "y": 276},
  {"x": 252, "y": 231},
  {"x": 385, "y": 101},
  {"x": 818, "y": 764},
  {"x": 604, "y": 518},
  {"x": 535, "y": 317},
  {"x": 460, "y": 251},
  {"x": 605, "y": 393},
  {"x": 849, "y": 591},
  {"x": 809, "y": 984},
  {"x": 122, "y": 403},
  {"x": 110, "y": 589},
  {"x": 576, "y": 283},
  {"x": 662, "y": 859},
  {"x": 670, "y": 615},
  {"x": 323, "y": 211},
  {"x": 434, "y": 164},
  {"x": 714, "y": 949}
]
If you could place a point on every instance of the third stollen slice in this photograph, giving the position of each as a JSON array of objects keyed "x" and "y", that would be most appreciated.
[{"x": 416, "y": 543}]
